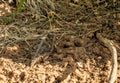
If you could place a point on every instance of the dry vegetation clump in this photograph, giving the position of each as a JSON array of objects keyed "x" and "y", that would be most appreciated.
[
  {"x": 40, "y": 7},
  {"x": 55, "y": 41}
]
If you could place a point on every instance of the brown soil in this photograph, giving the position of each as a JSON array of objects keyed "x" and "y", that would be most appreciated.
[{"x": 61, "y": 47}]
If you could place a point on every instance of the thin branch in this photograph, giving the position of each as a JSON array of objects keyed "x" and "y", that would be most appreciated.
[{"x": 110, "y": 45}]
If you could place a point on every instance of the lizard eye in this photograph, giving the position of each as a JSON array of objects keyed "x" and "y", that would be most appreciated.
[{"x": 12, "y": 2}]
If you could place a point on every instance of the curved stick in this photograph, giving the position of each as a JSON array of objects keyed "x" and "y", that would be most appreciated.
[{"x": 110, "y": 45}]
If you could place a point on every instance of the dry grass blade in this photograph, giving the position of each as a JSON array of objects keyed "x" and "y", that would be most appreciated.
[
  {"x": 39, "y": 7},
  {"x": 111, "y": 47},
  {"x": 45, "y": 48}
]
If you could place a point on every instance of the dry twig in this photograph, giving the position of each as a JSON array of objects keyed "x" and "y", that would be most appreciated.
[{"x": 110, "y": 45}]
